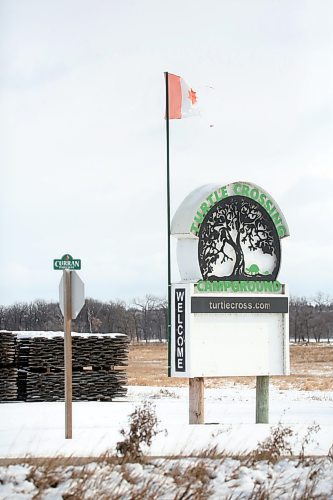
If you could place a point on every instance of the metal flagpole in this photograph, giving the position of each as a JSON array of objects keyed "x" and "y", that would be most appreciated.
[{"x": 168, "y": 217}]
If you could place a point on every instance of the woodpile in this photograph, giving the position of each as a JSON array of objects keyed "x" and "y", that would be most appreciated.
[
  {"x": 8, "y": 368},
  {"x": 7, "y": 349},
  {"x": 32, "y": 366},
  {"x": 8, "y": 384}
]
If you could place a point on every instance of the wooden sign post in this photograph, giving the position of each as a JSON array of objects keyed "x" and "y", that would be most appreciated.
[
  {"x": 71, "y": 301},
  {"x": 262, "y": 399},
  {"x": 67, "y": 280},
  {"x": 196, "y": 400}
]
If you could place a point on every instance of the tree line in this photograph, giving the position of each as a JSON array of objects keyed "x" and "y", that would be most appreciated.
[
  {"x": 311, "y": 319},
  {"x": 146, "y": 319}
]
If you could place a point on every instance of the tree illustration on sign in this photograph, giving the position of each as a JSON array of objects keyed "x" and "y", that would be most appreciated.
[{"x": 238, "y": 240}]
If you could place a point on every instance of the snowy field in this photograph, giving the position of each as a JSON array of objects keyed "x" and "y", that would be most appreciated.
[
  {"x": 179, "y": 451},
  {"x": 37, "y": 429}
]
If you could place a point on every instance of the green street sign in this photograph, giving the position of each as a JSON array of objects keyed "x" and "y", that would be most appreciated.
[{"x": 67, "y": 262}]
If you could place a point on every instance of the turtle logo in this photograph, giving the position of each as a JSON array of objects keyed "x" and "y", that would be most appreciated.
[{"x": 253, "y": 269}]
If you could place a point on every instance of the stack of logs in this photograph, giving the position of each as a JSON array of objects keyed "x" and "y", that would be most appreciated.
[
  {"x": 32, "y": 366},
  {"x": 8, "y": 367}
]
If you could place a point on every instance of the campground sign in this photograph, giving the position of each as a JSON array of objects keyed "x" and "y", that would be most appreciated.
[{"x": 229, "y": 314}]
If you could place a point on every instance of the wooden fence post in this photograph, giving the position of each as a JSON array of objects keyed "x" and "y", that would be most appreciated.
[
  {"x": 262, "y": 400},
  {"x": 196, "y": 400}
]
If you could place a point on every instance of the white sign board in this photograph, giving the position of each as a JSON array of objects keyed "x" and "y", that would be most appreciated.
[
  {"x": 77, "y": 294},
  {"x": 228, "y": 334}
]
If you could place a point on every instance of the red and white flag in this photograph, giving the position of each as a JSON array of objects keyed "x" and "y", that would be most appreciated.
[{"x": 182, "y": 98}]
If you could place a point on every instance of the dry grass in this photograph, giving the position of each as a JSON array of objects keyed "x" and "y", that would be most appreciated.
[
  {"x": 246, "y": 477},
  {"x": 311, "y": 368},
  {"x": 148, "y": 365},
  {"x": 254, "y": 476}
]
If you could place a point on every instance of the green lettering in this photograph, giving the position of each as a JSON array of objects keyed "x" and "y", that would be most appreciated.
[
  {"x": 276, "y": 286},
  {"x": 217, "y": 196},
  {"x": 204, "y": 208},
  {"x": 259, "y": 286},
  {"x": 198, "y": 218},
  {"x": 208, "y": 286},
  {"x": 254, "y": 194},
  {"x": 251, "y": 286},
  {"x": 237, "y": 188},
  {"x": 210, "y": 199},
  {"x": 243, "y": 286},
  {"x": 276, "y": 218},
  {"x": 272, "y": 210},
  {"x": 217, "y": 286},
  {"x": 269, "y": 205},
  {"x": 194, "y": 229},
  {"x": 268, "y": 286},
  {"x": 227, "y": 285},
  {"x": 235, "y": 286},
  {"x": 245, "y": 190},
  {"x": 224, "y": 192},
  {"x": 262, "y": 199},
  {"x": 199, "y": 286},
  {"x": 281, "y": 231}
]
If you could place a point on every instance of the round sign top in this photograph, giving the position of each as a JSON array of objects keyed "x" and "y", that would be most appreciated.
[
  {"x": 191, "y": 212},
  {"x": 231, "y": 232}
]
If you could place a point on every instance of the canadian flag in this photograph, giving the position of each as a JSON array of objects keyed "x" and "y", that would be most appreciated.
[{"x": 182, "y": 98}]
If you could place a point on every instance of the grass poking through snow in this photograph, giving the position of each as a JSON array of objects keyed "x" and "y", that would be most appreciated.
[{"x": 270, "y": 472}]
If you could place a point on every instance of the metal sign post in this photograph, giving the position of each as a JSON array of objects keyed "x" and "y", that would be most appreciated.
[
  {"x": 68, "y": 351},
  {"x": 71, "y": 301}
]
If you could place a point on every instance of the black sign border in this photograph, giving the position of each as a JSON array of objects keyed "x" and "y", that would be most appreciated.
[
  {"x": 182, "y": 316},
  {"x": 200, "y": 305}
]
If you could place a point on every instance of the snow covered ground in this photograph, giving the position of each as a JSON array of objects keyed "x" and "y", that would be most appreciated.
[
  {"x": 174, "y": 479},
  {"x": 37, "y": 430}
]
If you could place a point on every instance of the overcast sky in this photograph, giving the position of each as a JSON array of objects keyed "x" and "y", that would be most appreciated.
[{"x": 82, "y": 134}]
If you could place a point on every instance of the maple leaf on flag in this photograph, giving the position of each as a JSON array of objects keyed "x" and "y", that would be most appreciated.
[{"x": 193, "y": 96}]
